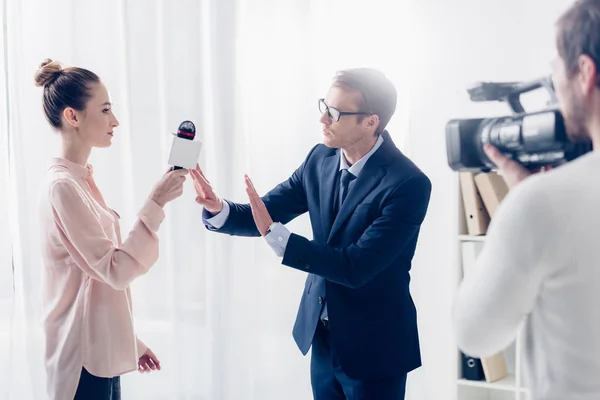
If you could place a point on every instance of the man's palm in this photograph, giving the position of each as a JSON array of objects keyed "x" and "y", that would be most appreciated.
[{"x": 205, "y": 195}]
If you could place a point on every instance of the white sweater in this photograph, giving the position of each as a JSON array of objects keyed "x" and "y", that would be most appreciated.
[{"x": 541, "y": 264}]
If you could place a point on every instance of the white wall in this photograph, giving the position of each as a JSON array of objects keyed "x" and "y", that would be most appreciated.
[{"x": 457, "y": 43}]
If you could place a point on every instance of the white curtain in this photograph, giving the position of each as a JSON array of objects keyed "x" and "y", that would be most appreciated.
[{"x": 217, "y": 310}]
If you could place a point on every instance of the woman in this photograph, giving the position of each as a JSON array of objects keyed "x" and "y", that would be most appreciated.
[{"x": 87, "y": 317}]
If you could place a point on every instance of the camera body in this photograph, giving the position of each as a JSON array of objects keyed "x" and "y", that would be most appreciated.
[{"x": 534, "y": 139}]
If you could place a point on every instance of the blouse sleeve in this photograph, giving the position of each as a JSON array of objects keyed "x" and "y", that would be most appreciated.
[{"x": 93, "y": 251}]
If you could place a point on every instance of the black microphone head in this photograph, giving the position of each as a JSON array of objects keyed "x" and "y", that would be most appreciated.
[{"x": 186, "y": 130}]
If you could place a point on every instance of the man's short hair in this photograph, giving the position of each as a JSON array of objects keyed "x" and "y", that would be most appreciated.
[
  {"x": 578, "y": 33},
  {"x": 378, "y": 93}
]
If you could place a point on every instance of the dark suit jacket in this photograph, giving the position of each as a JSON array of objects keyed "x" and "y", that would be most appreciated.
[{"x": 359, "y": 260}]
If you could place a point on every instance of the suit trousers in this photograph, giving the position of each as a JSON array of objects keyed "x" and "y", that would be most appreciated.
[{"x": 329, "y": 382}]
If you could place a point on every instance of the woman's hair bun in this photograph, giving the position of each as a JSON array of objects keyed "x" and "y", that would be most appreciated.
[{"x": 48, "y": 71}]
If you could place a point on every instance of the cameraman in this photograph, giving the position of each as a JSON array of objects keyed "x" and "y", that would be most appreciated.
[{"x": 541, "y": 260}]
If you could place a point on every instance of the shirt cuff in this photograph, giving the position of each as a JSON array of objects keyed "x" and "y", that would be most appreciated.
[
  {"x": 152, "y": 215},
  {"x": 217, "y": 221},
  {"x": 278, "y": 238}
]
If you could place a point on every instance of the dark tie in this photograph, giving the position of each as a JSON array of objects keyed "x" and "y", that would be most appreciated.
[{"x": 345, "y": 178}]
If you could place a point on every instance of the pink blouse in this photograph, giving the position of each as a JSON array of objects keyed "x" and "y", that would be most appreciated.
[{"x": 86, "y": 301}]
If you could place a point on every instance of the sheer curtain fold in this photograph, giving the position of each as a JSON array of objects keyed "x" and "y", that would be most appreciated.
[
  {"x": 6, "y": 265},
  {"x": 217, "y": 310}
]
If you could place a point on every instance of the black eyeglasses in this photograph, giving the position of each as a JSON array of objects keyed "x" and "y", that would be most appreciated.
[{"x": 334, "y": 113}]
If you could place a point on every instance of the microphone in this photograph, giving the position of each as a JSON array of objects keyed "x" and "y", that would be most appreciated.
[
  {"x": 186, "y": 130},
  {"x": 185, "y": 150}
]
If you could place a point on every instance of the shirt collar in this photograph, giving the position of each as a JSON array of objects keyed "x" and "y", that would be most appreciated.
[
  {"x": 79, "y": 170},
  {"x": 358, "y": 166}
]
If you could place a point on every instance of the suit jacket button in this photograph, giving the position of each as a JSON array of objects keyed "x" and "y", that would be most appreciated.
[
  {"x": 307, "y": 266},
  {"x": 320, "y": 300}
]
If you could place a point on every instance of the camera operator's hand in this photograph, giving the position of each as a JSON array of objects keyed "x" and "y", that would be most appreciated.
[{"x": 512, "y": 171}]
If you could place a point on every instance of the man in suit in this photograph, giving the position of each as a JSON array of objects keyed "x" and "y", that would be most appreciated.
[{"x": 366, "y": 202}]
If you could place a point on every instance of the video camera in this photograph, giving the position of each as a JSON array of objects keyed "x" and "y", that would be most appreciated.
[{"x": 535, "y": 139}]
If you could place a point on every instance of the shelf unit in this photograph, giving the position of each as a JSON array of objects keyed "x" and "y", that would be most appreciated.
[{"x": 511, "y": 387}]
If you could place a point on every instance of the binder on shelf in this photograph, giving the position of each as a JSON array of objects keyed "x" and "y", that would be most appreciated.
[
  {"x": 472, "y": 369},
  {"x": 492, "y": 188},
  {"x": 494, "y": 367},
  {"x": 476, "y": 214}
]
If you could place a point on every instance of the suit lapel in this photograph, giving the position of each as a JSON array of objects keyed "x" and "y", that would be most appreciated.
[
  {"x": 368, "y": 178},
  {"x": 327, "y": 185}
]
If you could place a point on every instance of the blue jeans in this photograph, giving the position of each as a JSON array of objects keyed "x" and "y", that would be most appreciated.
[{"x": 94, "y": 388}]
